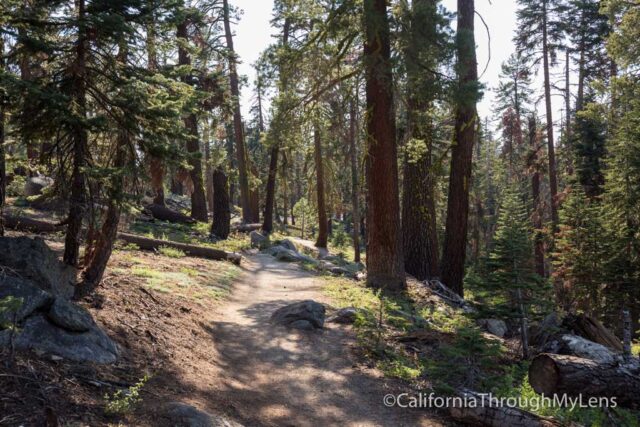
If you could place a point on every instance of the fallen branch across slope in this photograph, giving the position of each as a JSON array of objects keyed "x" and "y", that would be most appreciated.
[{"x": 192, "y": 250}]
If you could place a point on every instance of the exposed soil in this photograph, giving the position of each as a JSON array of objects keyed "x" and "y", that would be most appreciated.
[{"x": 219, "y": 355}]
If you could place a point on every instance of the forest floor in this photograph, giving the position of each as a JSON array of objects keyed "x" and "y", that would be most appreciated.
[{"x": 197, "y": 331}]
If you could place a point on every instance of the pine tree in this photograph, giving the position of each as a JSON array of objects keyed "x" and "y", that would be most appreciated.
[
  {"x": 579, "y": 254},
  {"x": 515, "y": 290}
]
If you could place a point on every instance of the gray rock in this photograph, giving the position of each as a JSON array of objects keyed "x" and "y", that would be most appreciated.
[
  {"x": 257, "y": 240},
  {"x": 303, "y": 325},
  {"x": 33, "y": 186},
  {"x": 289, "y": 245},
  {"x": 495, "y": 327},
  {"x": 33, "y": 298},
  {"x": 39, "y": 335},
  {"x": 70, "y": 316},
  {"x": 309, "y": 311},
  {"x": 34, "y": 260},
  {"x": 183, "y": 415},
  {"x": 287, "y": 255},
  {"x": 344, "y": 316}
]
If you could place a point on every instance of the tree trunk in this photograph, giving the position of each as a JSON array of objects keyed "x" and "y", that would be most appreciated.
[
  {"x": 536, "y": 216},
  {"x": 99, "y": 253},
  {"x": 198, "y": 198},
  {"x": 551, "y": 374},
  {"x": 221, "y": 224},
  {"x": 163, "y": 213},
  {"x": 208, "y": 173},
  {"x": 455, "y": 242},
  {"x": 553, "y": 176},
  {"x": 241, "y": 151},
  {"x": 322, "y": 208},
  {"x": 593, "y": 330},
  {"x": 385, "y": 263},
  {"x": 420, "y": 238},
  {"x": 355, "y": 180},
  {"x": 80, "y": 139},
  {"x": 267, "y": 226},
  {"x": 156, "y": 164},
  {"x": 3, "y": 165},
  {"x": 103, "y": 246}
]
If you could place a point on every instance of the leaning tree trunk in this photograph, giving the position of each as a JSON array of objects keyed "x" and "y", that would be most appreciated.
[
  {"x": 241, "y": 151},
  {"x": 100, "y": 252},
  {"x": 574, "y": 376},
  {"x": 198, "y": 197},
  {"x": 455, "y": 241},
  {"x": 103, "y": 246},
  {"x": 355, "y": 180},
  {"x": 221, "y": 224},
  {"x": 322, "y": 207},
  {"x": 80, "y": 139},
  {"x": 553, "y": 175},
  {"x": 385, "y": 263},
  {"x": 267, "y": 226}
]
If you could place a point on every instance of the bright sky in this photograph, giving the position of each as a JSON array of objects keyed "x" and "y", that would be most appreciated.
[{"x": 500, "y": 16}]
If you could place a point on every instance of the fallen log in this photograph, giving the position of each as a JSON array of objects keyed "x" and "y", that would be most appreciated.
[
  {"x": 247, "y": 228},
  {"x": 551, "y": 374},
  {"x": 493, "y": 414},
  {"x": 21, "y": 223},
  {"x": 593, "y": 330},
  {"x": 163, "y": 213},
  {"x": 192, "y": 250}
]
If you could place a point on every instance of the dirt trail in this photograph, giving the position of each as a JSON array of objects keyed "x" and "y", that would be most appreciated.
[{"x": 265, "y": 375}]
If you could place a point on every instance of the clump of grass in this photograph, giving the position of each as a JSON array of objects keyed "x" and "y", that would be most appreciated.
[
  {"x": 171, "y": 252},
  {"x": 147, "y": 272}
]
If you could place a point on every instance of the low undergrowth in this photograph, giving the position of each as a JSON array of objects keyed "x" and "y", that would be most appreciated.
[{"x": 435, "y": 347}]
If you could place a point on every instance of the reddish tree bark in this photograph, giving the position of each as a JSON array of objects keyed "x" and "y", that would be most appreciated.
[
  {"x": 221, "y": 225},
  {"x": 355, "y": 180},
  {"x": 322, "y": 206},
  {"x": 455, "y": 241},
  {"x": 385, "y": 263}
]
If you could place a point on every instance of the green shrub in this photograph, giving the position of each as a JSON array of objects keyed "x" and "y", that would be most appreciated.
[
  {"x": 123, "y": 401},
  {"x": 16, "y": 188}
]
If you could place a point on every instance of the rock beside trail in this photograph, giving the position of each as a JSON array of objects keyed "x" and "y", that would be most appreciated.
[
  {"x": 33, "y": 186},
  {"x": 35, "y": 261},
  {"x": 69, "y": 316},
  {"x": 495, "y": 327},
  {"x": 183, "y": 415},
  {"x": 287, "y": 255},
  {"x": 42, "y": 336},
  {"x": 31, "y": 298},
  {"x": 305, "y": 315},
  {"x": 46, "y": 321},
  {"x": 257, "y": 239},
  {"x": 286, "y": 243},
  {"x": 344, "y": 316}
]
